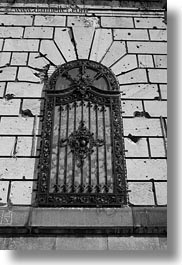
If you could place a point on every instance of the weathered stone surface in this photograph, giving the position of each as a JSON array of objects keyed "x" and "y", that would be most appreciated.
[
  {"x": 147, "y": 47},
  {"x": 9, "y": 107},
  {"x": 37, "y": 61},
  {"x": 117, "y": 22},
  {"x": 24, "y": 89},
  {"x": 38, "y": 33},
  {"x": 3, "y": 192},
  {"x": 145, "y": 61},
  {"x": 3, "y": 243},
  {"x": 21, "y": 45},
  {"x": 50, "y": 20},
  {"x": 65, "y": 44},
  {"x": 21, "y": 192},
  {"x": 156, "y": 108},
  {"x": 24, "y": 146},
  {"x": 141, "y": 91},
  {"x": 28, "y": 74},
  {"x": 141, "y": 193},
  {"x": 17, "y": 168},
  {"x": 116, "y": 51},
  {"x": 4, "y": 58},
  {"x": 83, "y": 39},
  {"x": 78, "y": 21},
  {"x": 31, "y": 243},
  {"x": 135, "y": 76},
  {"x": 139, "y": 149},
  {"x": 129, "y": 107},
  {"x": 16, "y": 20},
  {"x": 163, "y": 243},
  {"x": 8, "y": 73},
  {"x": 158, "y": 35},
  {"x": 6, "y": 146},
  {"x": 102, "y": 41},
  {"x": 161, "y": 193},
  {"x": 149, "y": 23},
  {"x": 157, "y": 147},
  {"x": 1, "y": 44},
  {"x": 34, "y": 105},
  {"x": 146, "y": 169},
  {"x": 48, "y": 47},
  {"x": 157, "y": 75},
  {"x": 2, "y": 87},
  {"x": 127, "y": 63},
  {"x": 19, "y": 58},
  {"x": 16, "y": 125},
  {"x": 11, "y": 32},
  {"x": 130, "y": 34},
  {"x": 160, "y": 61},
  {"x": 142, "y": 127},
  {"x": 163, "y": 90}
]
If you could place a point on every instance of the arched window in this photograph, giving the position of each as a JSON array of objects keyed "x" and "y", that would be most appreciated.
[{"x": 82, "y": 153}]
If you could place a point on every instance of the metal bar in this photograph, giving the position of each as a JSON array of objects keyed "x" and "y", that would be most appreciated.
[
  {"x": 66, "y": 148},
  {"x": 97, "y": 151},
  {"x": 58, "y": 151},
  {"x": 89, "y": 157},
  {"x": 73, "y": 155},
  {"x": 112, "y": 145},
  {"x": 105, "y": 152}
]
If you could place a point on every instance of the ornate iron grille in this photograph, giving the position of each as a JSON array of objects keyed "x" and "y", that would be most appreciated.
[{"x": 82, "y": 153}]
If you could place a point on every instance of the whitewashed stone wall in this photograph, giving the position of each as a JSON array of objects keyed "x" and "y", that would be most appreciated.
[{"x": 132, "y": 44}]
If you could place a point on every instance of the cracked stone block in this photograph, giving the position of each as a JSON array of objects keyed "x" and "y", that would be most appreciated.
[
  {"x": 21, "y": 192},
  {"x": 163, "y": 90},
  {"x": 38, "y": 32},
  {"x": 24, "y": 89},
  {"x": 37, "y": 61},
  {"x": 9, "y": 107},
  {"x": 140, "y": 91},
  {"x": 156, "y": 108},
  {"x": 143, "y": 169},
  {"x": 50, "y": 20},
  {"x": 116, "y": 51},
  {"x": 145, "y": 61},
  {"x": 157, "y": 75},
  {"x": 17, "y": 168},
  {"x": 76, "y": 21},
  {"x": 11, "y": 32},
  {"x": 147, "y": 47},
  {"x": 2, "y": 88},
  {"x": 157, "y": 147},
  {"x": 4, "y": 58},
  {"x": 4, "y": 185},
  {"x": 8, "y": 73},
  {"x": 28, "y": 74},
  {"x": 130, "y": 106},
  {"x": 16, "y": 125},
  {"x": 6, "y": 146},
  {"x": 117, "y": 22},
  {"x": 135, "y": 76},
  {"x": 19, "y": 58},
  {"x": 160, "y": 61},
  {"x": 21, "y": 45},
  {"x": 142, "y": 127},
  {"x": 16, "y": 20},
  {"x": 158, "y": 35},
  {"x": 125, "y": 64},
  {"x": 34, "y": 105},
  {"x": 141, "y": 193},
  {"x": 139, "y": 149},
  {"x": 131, "y": 34},
  {"x": 161, "y": 192},
  {"x": 149, "y": 23}
]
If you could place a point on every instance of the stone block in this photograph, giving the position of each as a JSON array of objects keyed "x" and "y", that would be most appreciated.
[
  {"x": 24, "y": 146},
  {"x": 149, "y": 22},
  {"x": 16, "y": 20},
  {"x": 156, "y": 108},
  {"x": 9, "y": 107},
  {"x": 117, "y": 22},
  {"x": 160, "y": 61},
  {"x": 147, "y": 47},
  {"x": 130, "y": 106},
  {"x": 141, "y": 193},
  {"x": 125, "y": 64},
  {"x": 4, "y": 186},
  {"x": 145, "y": 169},
  {"x": 50, "y": 20},
  {"x": 37, "y": 61},
  {"x": 142, "y": 127},
  {"x": 19, "y": 58},
  {"x": 6, "y": 146},
  {"x": 16, "y": 125},
  {"x": 4, "y": 58},
  {"x": 116, "y": 51},
  {"x": 163, "y": 90},
  {"x": 24, "y": 89},
  {"x": 2, "y": 88},
  {"x": 1, "y": 44},
  {"x": 38, "y": 33},
  {"x": 133, "y": 77},
  {"x": 32, "y": 104},
  {"x": 21, "y": 192},
  {"x": 31, "y": 243},
  {"x": 19, "y": 45},
  {"x": 81, "y": 243},
  {"x": 140, "y": 91},
  {"x": 17, "y": 168},
  {"x": 78, "y": 21},
  {"x": 3, "y": 243},
  {"x": 145, "y": 61},
  {"x": 157, "y": 147},
  {"x": 28, "y": 74},
  {"x": 131, "y": 34},
  {"x": 5, "y": 215},
  {"x": 139, "y": 149},
  {"x": 163, "y": 243},
  {"x": 133, "y": 243},
  {"x": 158, "y": 35},
  {"x": 161, "y": 192},
  {"x": 8, "y": 73},
  {"x": 157, "y": 75},
  {"x": 11, "y": 32}
]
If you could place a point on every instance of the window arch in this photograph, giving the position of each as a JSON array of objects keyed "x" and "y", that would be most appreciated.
[{"x": 82, "y": 155}]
